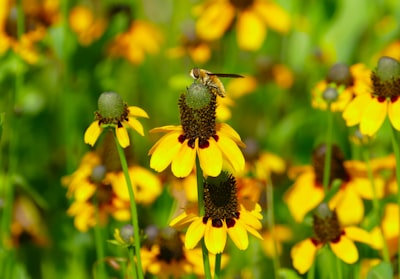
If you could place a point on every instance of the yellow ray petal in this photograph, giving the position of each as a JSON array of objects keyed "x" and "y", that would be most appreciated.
[
  {"x": 345, "y": 249},
  {"x": 135, "y": 125},
  {"x": 183, "y": 162},
  {"x": 353, "y": 112},
  {"x": 210, "y": 159},
  {"x": 303, "y": 255},
  {"x": 251, "y": 30},
  {"x": 225, "y": 129},
  {"x": 275, "y": 17},
  {"x": 166, "y": 149},
  {"x": 122, "y": 136},
  {"x": 238, "y": 234},
  {"x": 231, "y": 152},
  {"x": 215, "y": 238},
  {"x": 167, "y": 128},
  {"x": 350, "y": 207},
  {"x": 373, "y": 117},
  {"x": 92, "y": 133},
  {"x": 394, "y": 113},
  {"x": 137, "y": 112},
  {"x": 358, "y": 234},
  {"x": 194, "y": 233}
]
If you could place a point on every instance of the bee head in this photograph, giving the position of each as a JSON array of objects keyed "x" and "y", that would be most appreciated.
[{"x": 195, "y": 73}]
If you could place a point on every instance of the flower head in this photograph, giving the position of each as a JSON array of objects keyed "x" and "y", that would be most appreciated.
[
  {"x": 224, "y": 215},
  {"x": 328, "y": 231},
  {"x": 214, "y": 144},
  {"x": 253, "y": 18},
  {"x": 115, "y": 113},
  {"x": 369, "y": 110}
]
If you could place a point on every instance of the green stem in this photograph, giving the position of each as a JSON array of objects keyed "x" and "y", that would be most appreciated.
[
  {"x": 375, "y": 203},
  {"x": 200, "y": 197},
  {"x": 134, "y": 216},
  {"x": 338, "y": 268},
  {"x": 99, "y": 242},
  {"x": 311, "y": 272},
  {"x": 271, "y": 224},
  {"x": 132, "y": 259},
  {"x": 328, "y": 154},
  {"x": 217, "y": 273},
  {"x": 396, "y": 150}
]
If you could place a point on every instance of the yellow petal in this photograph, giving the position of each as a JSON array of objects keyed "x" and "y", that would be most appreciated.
[
  {"x": 137, "y": 112},
  {"x": 122, "y": 136},
  {"x": 345, "y": 249},
  {"x": 194, "y": 233},
  {"x": 211, "y": 25},
  {"x": 275, "y": 17},
  {"x": 304, "y": 189},
  {"x": 238, "y": 87},
  {"x": 92, "y": 133},
  {"x": 231, "y": 152},
  {"x": 183, "y": 162},
  {"x": 303, "y": 255},
  {"x": 353, "y": 112},
  {"x": 251, "y": 30},
  {"x": 210, "y": 158},
  {"x": 373, "y": 117},
  {"x": 215, "y": 238},
  {"x": 135, "y": 125},
  {"x": 84, "y": 191},
  {"x": 164, "y": 151},
  {"x": 182, "y": 219},
  {"x": 394, "y": 113},
  {"x": 167, "y": 128},
  {"x": 358, "y": 234},
  {"x": 239, "y": 236},
  {"x": 350, "y": 207},
  {"x": 228, "y": 131}
]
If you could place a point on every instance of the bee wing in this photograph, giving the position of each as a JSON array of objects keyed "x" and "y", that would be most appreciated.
[{"x": 226, "y": 75}]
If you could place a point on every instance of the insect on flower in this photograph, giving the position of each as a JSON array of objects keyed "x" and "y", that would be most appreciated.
[{"x": 211, "y": 80}]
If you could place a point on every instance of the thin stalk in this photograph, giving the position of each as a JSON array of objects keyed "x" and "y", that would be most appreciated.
[
  {"x": 134, "y": 216},
  {"x": 217, "y": 273},
  {"x": 98, "y": 235},
  {"x": 200, "y": 198},
  {"x": 328, "y": 154},
  {"x": 375, "y": 203},
  {"x": 132, "y": 259},
  {"x": 396, "y": 150},
  {"x": 271, "y": 225}
]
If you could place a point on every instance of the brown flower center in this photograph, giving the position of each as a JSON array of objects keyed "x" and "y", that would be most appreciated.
[
  {"x": 242, "y": 4},
  {"x": 340, "y": 75},
  {"x": 171, "y": 246},
  {"x": 326, "y": 226},
  {"x": 220, "y": 200},
  {"x": 385, "y": 89}
]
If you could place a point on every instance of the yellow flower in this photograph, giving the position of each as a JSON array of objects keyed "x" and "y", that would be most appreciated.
[
  {"x": 328, "y": 231},
  {"x": 38, "y": 16},
  {"x": 349, "y": 81},
  {"x": 224, "y": 215},
  {"x": 253, "y": 18},
  {"x": 141, "y": 38},
  {"x": 113, "y": 112},
  {"x": 369, "y": 110},
  {"x": 85, "y": 25},
  {"x": 276, "y": 236},
  {"x": 216, "y": 145},
  {"x": 348, "y": 202}
]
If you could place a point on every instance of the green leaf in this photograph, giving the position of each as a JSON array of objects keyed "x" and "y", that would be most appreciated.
[
  {"x": 285, "y": 273},
  {"x": 381, "y": 271}
]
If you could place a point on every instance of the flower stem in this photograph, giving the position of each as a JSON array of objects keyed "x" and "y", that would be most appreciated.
[
  {"x": 271, "y": 224},
  {"x": 200, "y": 197},
  {"x": 217, "y": 273},
  {"x": 375, "y": 203},
  {"x": 328, "y": 154},
  {"x": 396, "y": 150},
  {"x": 134, "y": 216},
  {"x": 99, "y": 243},
  {"x": 132, "y": 259}
]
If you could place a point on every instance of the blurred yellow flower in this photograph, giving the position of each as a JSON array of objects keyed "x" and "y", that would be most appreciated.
[
  {"x": 278, "y": 235},
  {"x": 252, "y": 17},
  {"x": 141, "y": 38}
]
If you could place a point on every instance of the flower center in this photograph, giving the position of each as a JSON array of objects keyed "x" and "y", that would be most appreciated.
[
  {"x": 326, "y": 225},
  {"x": 220, "y": 200},
  {"x": 171, "y": 246},
  {"x": 340, "y": 75},
  {"x": 198, "y": 123},
  {"x": 337, "y": 170},
  {"x": 242, "y": 4}
]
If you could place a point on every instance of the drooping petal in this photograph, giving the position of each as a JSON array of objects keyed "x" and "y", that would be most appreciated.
[
  {"x": 238, "y": 234},
  {"x": 353, "y": 112},
  {"x": 84, "y": 191},
  {"x": 394, "y": 113},
  {"x": 345, "y": 249},
  {"x": 358, "y": 234},
  {"x": 275, "y": 17},
  {"x": 303, "y": 255},
  {"x": 164, "y": 151},
  {"x": 251, "y": 30},
  {"x": 211, "y": 25},
  {"x": 231, "y": 152},
  {"x": 349, "y": 206},
  {"x": 183, "y": 219},
  {"x": 122, "y": 136},
  {"x": 135, "y": 125},
  {"x": 373, "y": 117},
  {"x": 228, "y": 131},
  {"x": 210, "y": 159},
  {"x": 137, "y": 112},
  {"x": 183, "y": 162},
  {"x": 194, "y": 233},
  {"x": 215, "y": 238},
  {"x": 92, "y": 133},
  {"x": 167, "y": 128}
]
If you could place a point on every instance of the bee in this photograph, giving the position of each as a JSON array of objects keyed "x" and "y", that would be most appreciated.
[{"x": 211, "y": 80}]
